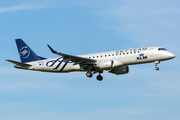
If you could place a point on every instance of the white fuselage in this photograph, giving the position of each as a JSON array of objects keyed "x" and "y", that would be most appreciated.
[{"x": 120, "y": 58}]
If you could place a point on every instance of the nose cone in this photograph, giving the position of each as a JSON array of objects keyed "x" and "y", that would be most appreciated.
[{"x": 171, "y": 55}]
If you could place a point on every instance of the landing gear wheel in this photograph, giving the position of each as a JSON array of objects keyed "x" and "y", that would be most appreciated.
[
  {"x": 99, "y": 77},
  {"x": 89, "y": 74},
  {"x": 157, "y": 68}
]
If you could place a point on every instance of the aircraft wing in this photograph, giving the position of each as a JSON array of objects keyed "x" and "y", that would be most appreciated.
[
  {"x": 84, "y": 62},
  {"x": 19, "y": 63}
]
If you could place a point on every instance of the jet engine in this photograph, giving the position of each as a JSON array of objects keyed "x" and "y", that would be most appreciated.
[
  {"x": 120, "y": 70},
  {"x": 109, "y": 64},
  {"x": 106, "y": 64}
]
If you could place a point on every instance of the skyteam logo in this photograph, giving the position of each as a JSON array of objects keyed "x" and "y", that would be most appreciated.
[
  {"x": 59, "y": 63},
  {"x": 24, "y": 52},
  {"x": 142, "y": 57}
]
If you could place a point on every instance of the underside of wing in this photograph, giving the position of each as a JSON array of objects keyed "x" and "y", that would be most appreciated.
[{"x": 83, "y": 62}]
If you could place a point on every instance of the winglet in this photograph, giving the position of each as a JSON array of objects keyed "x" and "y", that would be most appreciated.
[{"x": 52, "y": 50}]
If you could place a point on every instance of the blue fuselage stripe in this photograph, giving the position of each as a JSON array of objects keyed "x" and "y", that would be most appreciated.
[
  {"x": 59, "y": 64},
  {"x": 55, "y": 61},
  {"x": 64, "y": 66}
]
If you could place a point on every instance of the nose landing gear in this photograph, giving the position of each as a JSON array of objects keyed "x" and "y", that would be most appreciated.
[
  {"x": 156, "y": 63},
  {"x": 157, "y": 68}
]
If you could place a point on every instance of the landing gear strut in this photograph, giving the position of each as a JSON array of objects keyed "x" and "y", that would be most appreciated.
[
  {"x": 89, "y": 74},
  {"x": 99, "y": 77},
  {"x": 156, "y": 63}
]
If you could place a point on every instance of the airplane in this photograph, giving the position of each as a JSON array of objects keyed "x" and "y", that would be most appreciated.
[{"x": 115, "y": 62}]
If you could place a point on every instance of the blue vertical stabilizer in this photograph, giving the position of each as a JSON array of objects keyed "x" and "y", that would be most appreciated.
[{"x": 26, "y": 53}]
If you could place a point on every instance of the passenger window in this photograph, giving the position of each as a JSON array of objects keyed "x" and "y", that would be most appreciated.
[{"x": 105, "y": 55}]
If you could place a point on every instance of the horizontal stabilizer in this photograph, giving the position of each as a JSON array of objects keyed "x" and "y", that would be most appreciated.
[{"x": 19, "y": 63}]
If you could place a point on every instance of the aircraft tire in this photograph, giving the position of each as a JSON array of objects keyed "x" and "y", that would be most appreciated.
[
  {"x": 157, "y": 68},
  {"x": 89, "y": 74},
  {"x": 99, "y": 77}
]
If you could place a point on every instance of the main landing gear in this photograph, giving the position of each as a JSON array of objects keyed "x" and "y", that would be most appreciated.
[
  {"x": 156, "y": 63},
  {"x": 89, "y": 74},
  {"x": 99, "y": 77}
]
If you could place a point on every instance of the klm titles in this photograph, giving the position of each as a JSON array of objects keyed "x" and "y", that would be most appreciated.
[{"x": 142, "y": 57}]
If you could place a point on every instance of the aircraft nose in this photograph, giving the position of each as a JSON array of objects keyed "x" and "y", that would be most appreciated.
[{"x": 171, "y": 55}]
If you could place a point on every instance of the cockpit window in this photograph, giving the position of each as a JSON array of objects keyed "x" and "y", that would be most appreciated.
[{"x": 161, "y": 49}]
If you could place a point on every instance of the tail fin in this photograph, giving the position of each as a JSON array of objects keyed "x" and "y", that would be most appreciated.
[{"x": 26, "y": 53}]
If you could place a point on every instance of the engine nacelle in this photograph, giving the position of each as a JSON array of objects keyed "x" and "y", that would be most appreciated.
[
  {"x": 120, "y": 70},
  {"x": 109, "y": 64},
  {"x": 105, "y": 64}
]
